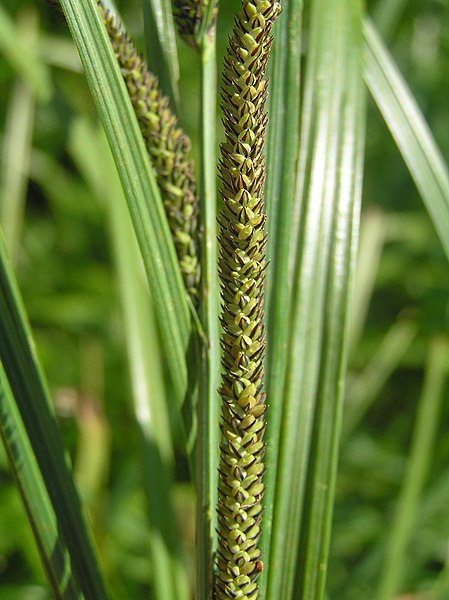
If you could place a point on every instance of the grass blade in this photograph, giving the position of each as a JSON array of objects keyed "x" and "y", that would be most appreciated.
[
  {"x": 139, "y": 184},
  {"x": 319, "y": 498},
  {"x": 15, "y": 164},
  {"x": 366, "y": 386},
  {"x": 27, "y": 384},
  {"x": 24, "y": 60},
  {"x": 371, "y": 244},
  {"x": 409, "y": 130},
  {"x": 169, "y": 577},
  {"x": 16, "y": 149},
  {"x": 282, "y": 155},
  {"x": 161, "y": 47},
  {"x": 149, "y": 394},
  {"x": 420, "y": 458},
  {"x": 329, "y": 192},
  {"x": 53, "y": 552}
]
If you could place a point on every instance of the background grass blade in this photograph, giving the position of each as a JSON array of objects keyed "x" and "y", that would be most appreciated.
[
  {"x": 417, "y": 470},
  {"x": 15, "y": 162},
  {"x": 23, "y": 58},
  {"x": 161, "y": 47},
  {"x": 16, "y": 149},
  {"x": 329, "y": 192},
  {"x": 139, "y": 184},
  {"x": 409, "y": 130},
  {"x": 149, "y": 395},
  {"x": 27, "y": 384},
  {"x": 364, "y": 387},
  {"x": 372, "y": 241},
  {"x": 54, "y": 554}
]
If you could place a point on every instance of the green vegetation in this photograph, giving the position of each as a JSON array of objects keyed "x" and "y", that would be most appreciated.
[{"x": 110, "y": 371}]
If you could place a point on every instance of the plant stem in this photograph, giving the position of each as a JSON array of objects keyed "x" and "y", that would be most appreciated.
[{"x": 207, "y": 442}]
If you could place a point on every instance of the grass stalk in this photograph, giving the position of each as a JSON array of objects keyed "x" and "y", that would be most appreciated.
[
  {"x": 208, "y": 408},
  {"x": 417, "y": 470}
]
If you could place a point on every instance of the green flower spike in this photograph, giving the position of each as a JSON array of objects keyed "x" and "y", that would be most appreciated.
[
  {"x": 242, "y": 273},
  {"x": 169, "y": 148},
  {"x": 188, "y": 15}
]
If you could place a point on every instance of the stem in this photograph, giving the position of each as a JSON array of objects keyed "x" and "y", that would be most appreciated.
[{"x": 207, "y": 443}]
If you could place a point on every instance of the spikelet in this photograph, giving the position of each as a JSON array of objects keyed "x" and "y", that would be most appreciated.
[
  {"x": 188, "y": 15},
  {"x": 169, "y": 149},
  {"x": 242, "y": 273}
]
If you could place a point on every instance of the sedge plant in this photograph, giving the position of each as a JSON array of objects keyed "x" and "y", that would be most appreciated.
[{"x": 248, "y": 386}]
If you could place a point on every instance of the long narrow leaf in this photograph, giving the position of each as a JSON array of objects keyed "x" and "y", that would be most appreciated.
[
  {"x": 282, "y": 156},
  {"x": 22, "y": 57},
  {"x": 387, "y": 357},
  {"x": 15, "y": 163},
  {"x": 53, "y": 552},
  {"x": 319, "y": 498},
  {"x": 160, "y": 40},
  {"x": 142, "y": 339},
  {"x": 409, "y": 130},
  {"x": 139, "y": 184},
  {"x": 15, "y": 157},
  {"x": 329, "y": 195},
  {"x": 30, "y": 393}
]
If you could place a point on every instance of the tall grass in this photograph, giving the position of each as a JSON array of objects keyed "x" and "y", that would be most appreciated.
[{"x": 161, "y": 515}]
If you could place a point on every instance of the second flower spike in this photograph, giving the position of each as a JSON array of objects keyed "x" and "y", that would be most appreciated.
[{"x": 169, "y": 149}]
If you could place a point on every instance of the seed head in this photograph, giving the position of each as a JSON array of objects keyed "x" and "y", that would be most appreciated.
[
  {"x": 242, "y": 272},
  {"x": 188, "y": 15},
  {"x": 169, "y": 149}
]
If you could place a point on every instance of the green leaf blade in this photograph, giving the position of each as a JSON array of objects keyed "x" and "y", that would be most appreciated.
[
  {"x": 160, "y": 40},
  {"x": 27, "y": 383},
  {"x": 54, "y": 554},
  {"x": 329, "y": 184},
  {"x": 409, "y": 130},
  {"x": 139, "y": 184}
]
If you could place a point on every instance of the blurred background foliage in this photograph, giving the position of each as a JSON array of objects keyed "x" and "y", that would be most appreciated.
[{"x": 65, "y": 267}]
